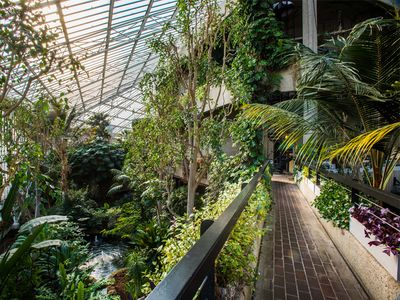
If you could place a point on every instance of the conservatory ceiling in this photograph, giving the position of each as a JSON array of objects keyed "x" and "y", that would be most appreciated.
[{"x": 110, "y": 39}]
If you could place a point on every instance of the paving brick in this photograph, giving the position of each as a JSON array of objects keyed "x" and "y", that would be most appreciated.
[
  {"x": 302, "y": 285},
  {"x": 279, "y": 280},
  {"x": 327, "y": 290},
  {"x": 316, "y": 294},
  {"x": 300, "y": 275},
  {"x": 301, "y": 270},
  {"x": 279, "y": 293},
  {"x": 304, "y": 295}
]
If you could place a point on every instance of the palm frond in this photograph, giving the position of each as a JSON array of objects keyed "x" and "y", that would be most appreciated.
[{"x": 359, "y": 147}]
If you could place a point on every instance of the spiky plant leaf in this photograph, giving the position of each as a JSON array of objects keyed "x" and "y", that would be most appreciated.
[
  {"x": 10, "y": 260},
  {"x": 47, "y": 244},
  {"x": 28, "y": 226}
]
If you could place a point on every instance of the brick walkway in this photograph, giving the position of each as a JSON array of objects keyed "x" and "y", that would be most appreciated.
[{"x": 298, "y": 260}]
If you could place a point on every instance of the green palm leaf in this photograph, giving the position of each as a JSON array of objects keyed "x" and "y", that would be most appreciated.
[{"x": 359, "y": 147}]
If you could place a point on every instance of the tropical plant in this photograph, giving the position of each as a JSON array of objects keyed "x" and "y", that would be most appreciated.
[
  {"x": 7, "y": 207},
  {"x": 137, "y": 266},
  {"x": 98, "y": 157},
  {"x": 41, "y": 244},
  {"x": 381, "y": 226},
  {"x": 334, "y": 203},
  {"x": 99, "y": 123},
  {"x": 10, "y": 260},
  {"x": 347, "y": 104},
  {"x": 123, "y": 183},
  {"x": 47, "y": 261}
]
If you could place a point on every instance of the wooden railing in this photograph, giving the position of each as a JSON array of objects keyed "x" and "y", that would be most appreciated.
[{"x": 194, "y": 273}]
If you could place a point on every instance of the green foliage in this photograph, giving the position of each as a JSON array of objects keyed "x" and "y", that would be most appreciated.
[
  {"x": 137, "y": 266},
  {"x": 91, "y": 166},
  {"x": 99, "y": 123},
  {"x": 97, "y": 157},
  {"x": 260, "y": 50},
  {"x": 47, "y": 262},
  {"x": 247, "y": 137},
  {"x": 234, "y": 265},
  {"x": 8, "y": 204},
  {"x": 352, "y": 107},
  {"x": 334, "y": 203},
  {"x": 77, "y": 204},
  {"x": 10, "y": 260},
  {"x": 177, "y": 200},
  {"x": 146, "y": 239},
  {"x": 128, "y": 217},
  {"x": 305, "y": 172}
]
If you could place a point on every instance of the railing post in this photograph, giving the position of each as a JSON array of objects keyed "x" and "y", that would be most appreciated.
[
  {"x": 318, "y": 179},
  {"x": 208, "y": 290},
  {"x": 354, "y": 196}
]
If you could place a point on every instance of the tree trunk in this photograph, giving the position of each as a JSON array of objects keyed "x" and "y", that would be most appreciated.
[
  {"x": 64, "y": 167},
  {"x": 37, "y": 201},
  {"x": 192, "y": 184}
]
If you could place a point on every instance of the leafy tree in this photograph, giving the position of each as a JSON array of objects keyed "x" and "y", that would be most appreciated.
[
  {"x": 34, "y": 133},
  {"x": 27, "y": 52},
  {"x": 99, "y": 123},
  {"x": 187, "y": 91}
]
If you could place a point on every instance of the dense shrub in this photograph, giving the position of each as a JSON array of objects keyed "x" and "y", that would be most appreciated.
[
  {"x": 91, "y": 166},
  {"x": 52, "y": 266},
  {"x": 234, "y": 267},
  {"x": 334, "y": 203}
]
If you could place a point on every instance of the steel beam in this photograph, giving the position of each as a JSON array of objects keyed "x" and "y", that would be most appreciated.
[
  {"x": 110, "y": 17},
  {"x": 71, "y": 56},
  {"x": 135, "y": 43}
]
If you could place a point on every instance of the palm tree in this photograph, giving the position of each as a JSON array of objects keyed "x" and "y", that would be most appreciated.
[{"x": 348, "y": 101}]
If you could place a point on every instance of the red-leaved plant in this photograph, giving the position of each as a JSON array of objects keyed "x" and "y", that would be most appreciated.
[{"x": 382, "y": 224}]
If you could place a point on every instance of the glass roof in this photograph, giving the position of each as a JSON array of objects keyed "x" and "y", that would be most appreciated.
[{"x": 110, "y": 40}]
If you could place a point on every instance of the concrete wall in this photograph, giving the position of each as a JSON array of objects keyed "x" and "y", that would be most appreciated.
[
  {"x": 219, "y": 96},
  {"x": 268, "y": 146},
  {"x": 288, "y": 81},
  {"x": 377, "y": 282}
]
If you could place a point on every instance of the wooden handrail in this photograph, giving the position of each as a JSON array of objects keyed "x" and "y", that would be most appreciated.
[{"x": 185, "y": 279}]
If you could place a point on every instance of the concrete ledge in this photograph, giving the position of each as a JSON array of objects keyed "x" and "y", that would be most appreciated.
[{"x": 376, "y": 281}]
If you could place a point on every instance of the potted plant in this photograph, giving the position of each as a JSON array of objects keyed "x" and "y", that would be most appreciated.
[{"x": 378, "y": 230}]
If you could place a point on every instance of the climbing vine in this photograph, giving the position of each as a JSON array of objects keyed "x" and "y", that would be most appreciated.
[{"x": 260, "y": 50}]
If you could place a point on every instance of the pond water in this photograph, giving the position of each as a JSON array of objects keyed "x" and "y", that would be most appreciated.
[{"x": 107, "y": 258}]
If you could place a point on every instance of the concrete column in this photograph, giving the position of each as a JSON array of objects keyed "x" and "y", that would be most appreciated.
[
  {"x": 309, "y": 17},
  {"x": 310, "y": 39}
]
